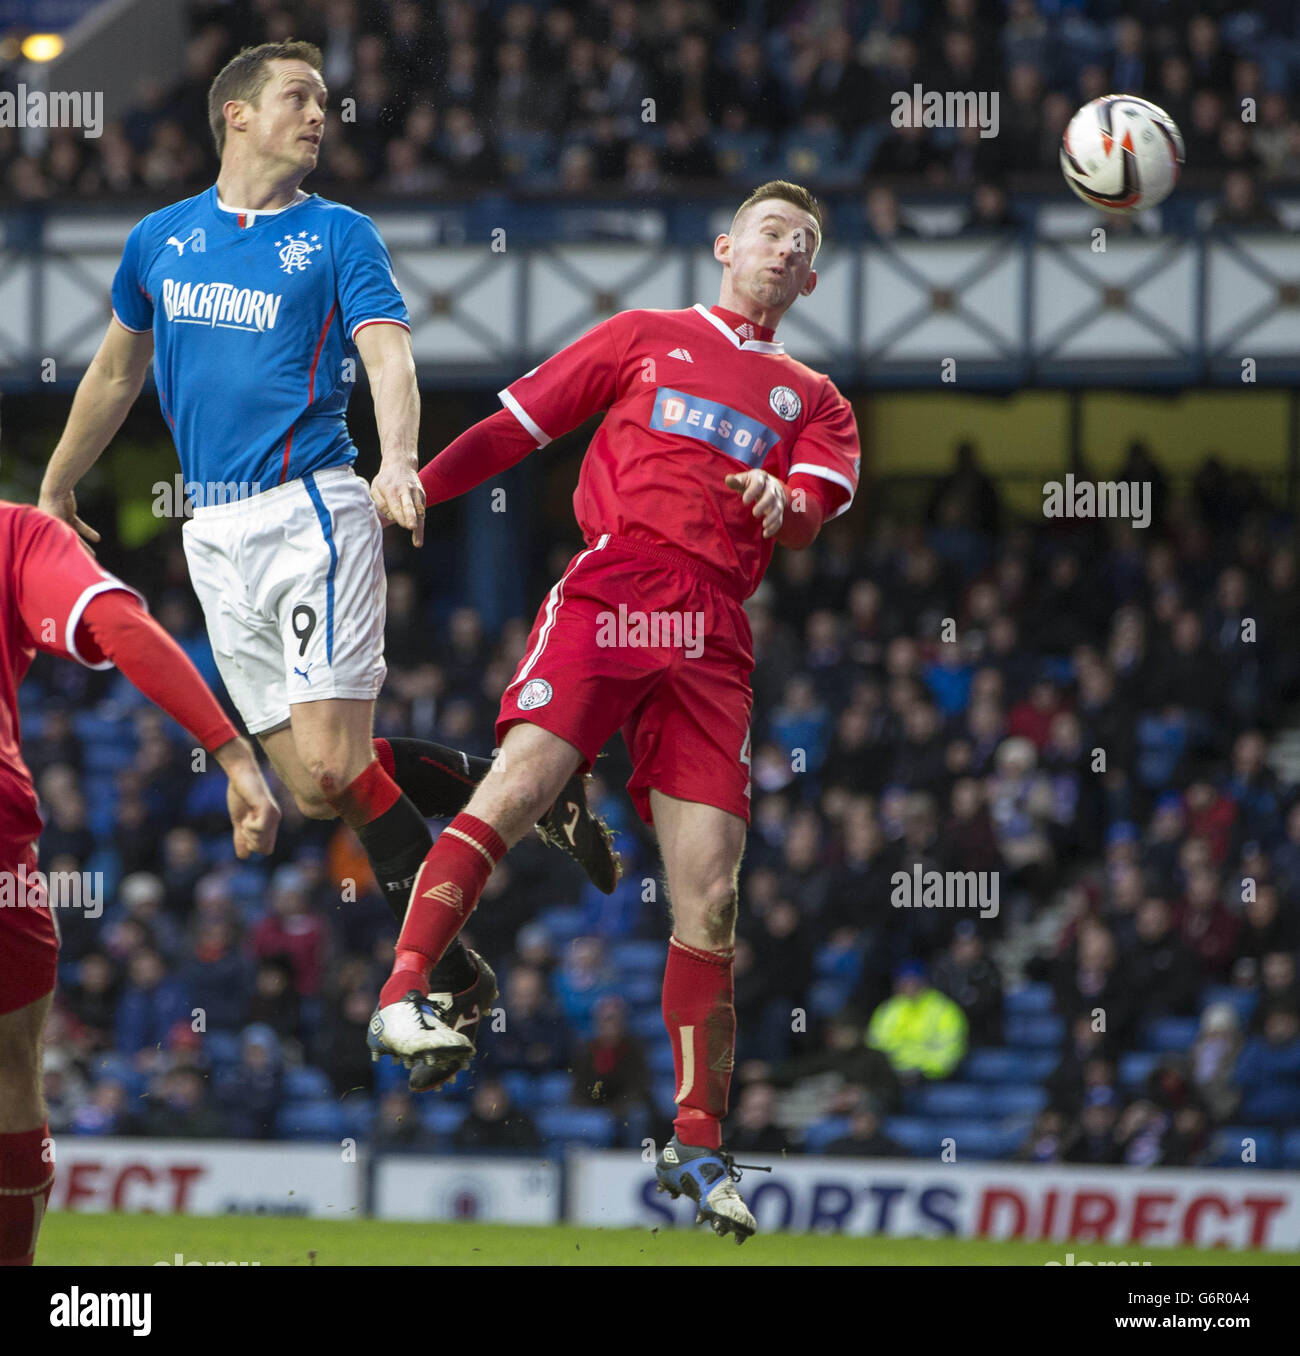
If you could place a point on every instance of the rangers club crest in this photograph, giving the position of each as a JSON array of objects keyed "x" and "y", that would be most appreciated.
[
  {"x": 296, "y": 251},
  {"x": 536, "y": 692},
  {"x": 785, "y": 402}
]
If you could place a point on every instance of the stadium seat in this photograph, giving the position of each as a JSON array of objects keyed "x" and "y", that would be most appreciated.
[
  {"x": 1291, "y": 1149},
  {"x": 442, "y": 1117},
  {"x": 1036, "y": 1030},
  {"x": 640, "y": 991},
  {"x": 554, "y": 1089},
  {"x": 663, "y": 1091},
  {"x": 1244, "y": 1001},
  {"x": 1228, "y": 1146},
  {"x": 638, "y": 958},
  {"x": 828, "y": 997},
  {"x": 581, "y": 1125},
  {"x": 1014, "y": 1099},
  {"x": 952, "y": 1099},
  {"x": 1271, "y": 1103},
  {"x": 221, "y": 1048},
  {"x": 306, "y": 1084},
  {"x": 839, "y": 962},
  {"x": 527, "y": 154},
  {"x": 117, "y": 1068},
  {"x": 358, "y": 1116},
  {"x": 918, "y": 1136},
  {"x": 647, "y": 1024},
  {"x": 992, "y": 1065},
  {"x": 660, "y": 1056},
  {"x": 980, "y": 1139},
  {"x": 817, "y": 1136},
  {"x": 1170, "y": 1035},
  {"x": 1135, "y": 1068},
  {"x": 564, "y": 925},
  {"x": 522, "y": 1088},
  {"x": 310, "y": 1121},
  {"x": 1029, "y": 1000}
]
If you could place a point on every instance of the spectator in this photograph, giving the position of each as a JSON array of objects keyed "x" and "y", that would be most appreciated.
[
  {"x": 864, "y": 1138},
  {"x": 971, "y": 979},
  {"x": 610, "y": 1069},
  {"x": 922, "y": 1031},
  {"x": 493, "y": 1123},
  {"x": 753, "y": 1128}
]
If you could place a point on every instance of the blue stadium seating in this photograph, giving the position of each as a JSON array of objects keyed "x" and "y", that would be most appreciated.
[
  {"x": 1024, "y": 1099},
  {"x": 663, "y": 1090},
  {"x": 442, "y": 1117},
  {"x": 564, "y": 924},
  {"x": 660, "y": 1057},
  {"x": 640, "y": 958},
  {"x": 816, "y": 1137},
  {"x": 554, "y": 1088},
  {"x": 1243, "y": 1000},
  {"x": 1029, "y": 1000},
  {"x": 358, "y": 1116},
  {"x": 316, "y": 1120},
  {"x": 918, "y": 1136},
  {"x": 1271, "y": 1103},
  {"x": 521, "y": 1087},
  {"x": 306, "y": 1084},
  {"x": 953, "y": 1099},
  {"x": 648, "y": 1024},
  {"x": 1291, "y": 1149},
  {"x": 838, "y": 962},
  {"x": 828, "y": 997},
  {"x": 117, "y": 1067},
  {"x": 1170, "y": 1034},
  {"x": 221, "y": 1048},
  {"x": 582, "y": 1125},
  {"x": 991, "y": 1065},
  {"x": 641, "y": 991},
  {"x": 1135, "y": 1068},
  {"x": 1227, "y": 1146},
  {"x": 1037, "y": 1030}
]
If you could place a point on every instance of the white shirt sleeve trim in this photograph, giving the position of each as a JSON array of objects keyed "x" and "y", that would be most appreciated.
[
  {"x": 378, "y": 320},
  {"x": 519, "y": 413},
  {"x": 807, "y": 468},
  {"x": 130, "y": 329},
  {"x": 74, "y": 619}
]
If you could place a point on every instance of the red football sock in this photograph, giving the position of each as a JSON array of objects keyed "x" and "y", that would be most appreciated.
[
  {"x": 25, "y": 1181},
  {"x": 700, "y": 1015},
  {"x": 446, "y": 889}
]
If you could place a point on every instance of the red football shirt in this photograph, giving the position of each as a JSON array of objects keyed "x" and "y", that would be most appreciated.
[
  {"x": 690, "y": 401},
  {"x": 46, "y": 580}
]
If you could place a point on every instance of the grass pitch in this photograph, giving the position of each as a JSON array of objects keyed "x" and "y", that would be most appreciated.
[{"x": 132, "y": 1240}]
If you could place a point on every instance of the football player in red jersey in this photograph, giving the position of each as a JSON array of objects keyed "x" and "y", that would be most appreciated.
[
  {"x": 716, "y": 446},
  {"x": 54, "y": 597}
]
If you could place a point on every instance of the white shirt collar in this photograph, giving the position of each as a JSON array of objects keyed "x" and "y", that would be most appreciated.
[{"x": 745, "y": 345}]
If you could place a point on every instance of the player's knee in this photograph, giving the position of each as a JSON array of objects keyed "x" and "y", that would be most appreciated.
[
  {"x": 315, "y": 807},
  {"x": 328, "y": 780},
  {"x": 716, "y": 914}
]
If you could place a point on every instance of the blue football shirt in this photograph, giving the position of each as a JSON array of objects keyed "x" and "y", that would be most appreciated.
[{"x": 254, "y": 316}]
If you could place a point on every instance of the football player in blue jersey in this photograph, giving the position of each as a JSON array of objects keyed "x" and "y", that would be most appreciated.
[{"x": 254, "y": 299}]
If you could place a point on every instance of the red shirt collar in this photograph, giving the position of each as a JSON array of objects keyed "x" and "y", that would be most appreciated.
[{"x": 742, "y": 325}]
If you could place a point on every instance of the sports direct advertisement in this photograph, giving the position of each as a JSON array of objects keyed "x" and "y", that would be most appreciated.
[
  {"x": 198, "y": 1177},
  {"x": 904, "y": 1200}
]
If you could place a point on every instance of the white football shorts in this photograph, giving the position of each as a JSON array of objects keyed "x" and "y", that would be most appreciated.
[{"x": 293, "y": 590}]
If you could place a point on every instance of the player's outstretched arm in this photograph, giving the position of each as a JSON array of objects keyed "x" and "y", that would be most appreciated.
[
  {"x": 104, "y": 395},
  {"x": 396, "y": 490},
  {"x": 119, "y": 628}
]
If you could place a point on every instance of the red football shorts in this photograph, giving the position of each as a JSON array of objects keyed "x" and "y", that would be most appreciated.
[
  {"x": 29, "y": 943},
  {"x": 644, "y": 639}
]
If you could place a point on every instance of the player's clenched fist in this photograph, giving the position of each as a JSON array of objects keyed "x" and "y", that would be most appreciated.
[
  {"x": 767, "y": 495},
  {"x": 254, "y": 815},
  {"x": 399, "y": 497}
]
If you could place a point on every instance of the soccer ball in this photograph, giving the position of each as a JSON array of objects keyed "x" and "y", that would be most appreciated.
[{"x": 1121, "y": 153}]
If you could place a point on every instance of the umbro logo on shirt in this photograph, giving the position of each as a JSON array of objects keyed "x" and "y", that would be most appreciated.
[{"x": 682, "y": 354}]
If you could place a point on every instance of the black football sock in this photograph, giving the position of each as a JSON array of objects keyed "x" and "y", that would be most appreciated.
[
  {"x": 397, "y": 842},
  {"x": 438, "y": 780}
]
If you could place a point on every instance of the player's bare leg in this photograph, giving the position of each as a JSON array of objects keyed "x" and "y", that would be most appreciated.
[
  {"x": 326, "y": 758},
  {"x": 701, "y": 848},
  {"x": 26, "y": 1163},
  {"x": 532, "y": 766}
]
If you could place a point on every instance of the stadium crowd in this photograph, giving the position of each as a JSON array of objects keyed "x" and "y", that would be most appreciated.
[
  {"x": 1084, "y": 711},
  {"x": 611, "y": 95}
]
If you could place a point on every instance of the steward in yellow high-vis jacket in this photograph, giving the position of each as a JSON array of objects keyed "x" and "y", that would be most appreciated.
[{"x": 920, "y": 1029}]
